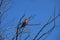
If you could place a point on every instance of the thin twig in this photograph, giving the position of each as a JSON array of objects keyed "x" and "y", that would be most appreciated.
[
  {"x": 54, "y": 23},
  {"x": 33, "y": 24},
  {"x": 27, "y": 37},
  {"x": 47, "y": 32},
  {"x": 45, "y": 26}
]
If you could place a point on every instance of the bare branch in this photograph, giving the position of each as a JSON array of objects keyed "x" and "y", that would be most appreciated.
[
  {"x": 47, "y": 32},
  {"x": 3, "y": 9},
  {"x": 18, "y": 27},
  {"x": 33, "y": 24},
  {"x": 45, "y": 26},
  {"x": 27, "y": 37}
]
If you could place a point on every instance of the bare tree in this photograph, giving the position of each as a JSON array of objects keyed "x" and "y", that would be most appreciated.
[{"x": 19, "y": 29}]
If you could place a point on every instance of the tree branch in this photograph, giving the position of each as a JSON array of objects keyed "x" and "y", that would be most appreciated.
[{"x": 45, "y": 26}]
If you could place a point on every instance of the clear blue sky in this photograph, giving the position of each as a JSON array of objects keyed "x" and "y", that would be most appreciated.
[{"x": 42, "y": 9}]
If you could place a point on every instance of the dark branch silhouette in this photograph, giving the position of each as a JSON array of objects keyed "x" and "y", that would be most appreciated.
[
  {"x": 18, "y": 27},
  {"x": 45, "y": 26},
  {"x": 53, "y": 26},
  {"x": 46, "y": 32},
  {"x": 27, "y": 37},
  {"x": 3, "y": 9}
]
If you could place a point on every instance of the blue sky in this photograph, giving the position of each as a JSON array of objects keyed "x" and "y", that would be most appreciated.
[{"x": 42, "y": 9}]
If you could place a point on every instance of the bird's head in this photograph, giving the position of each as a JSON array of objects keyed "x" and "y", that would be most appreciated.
[{"x": 26, "y": 20}]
